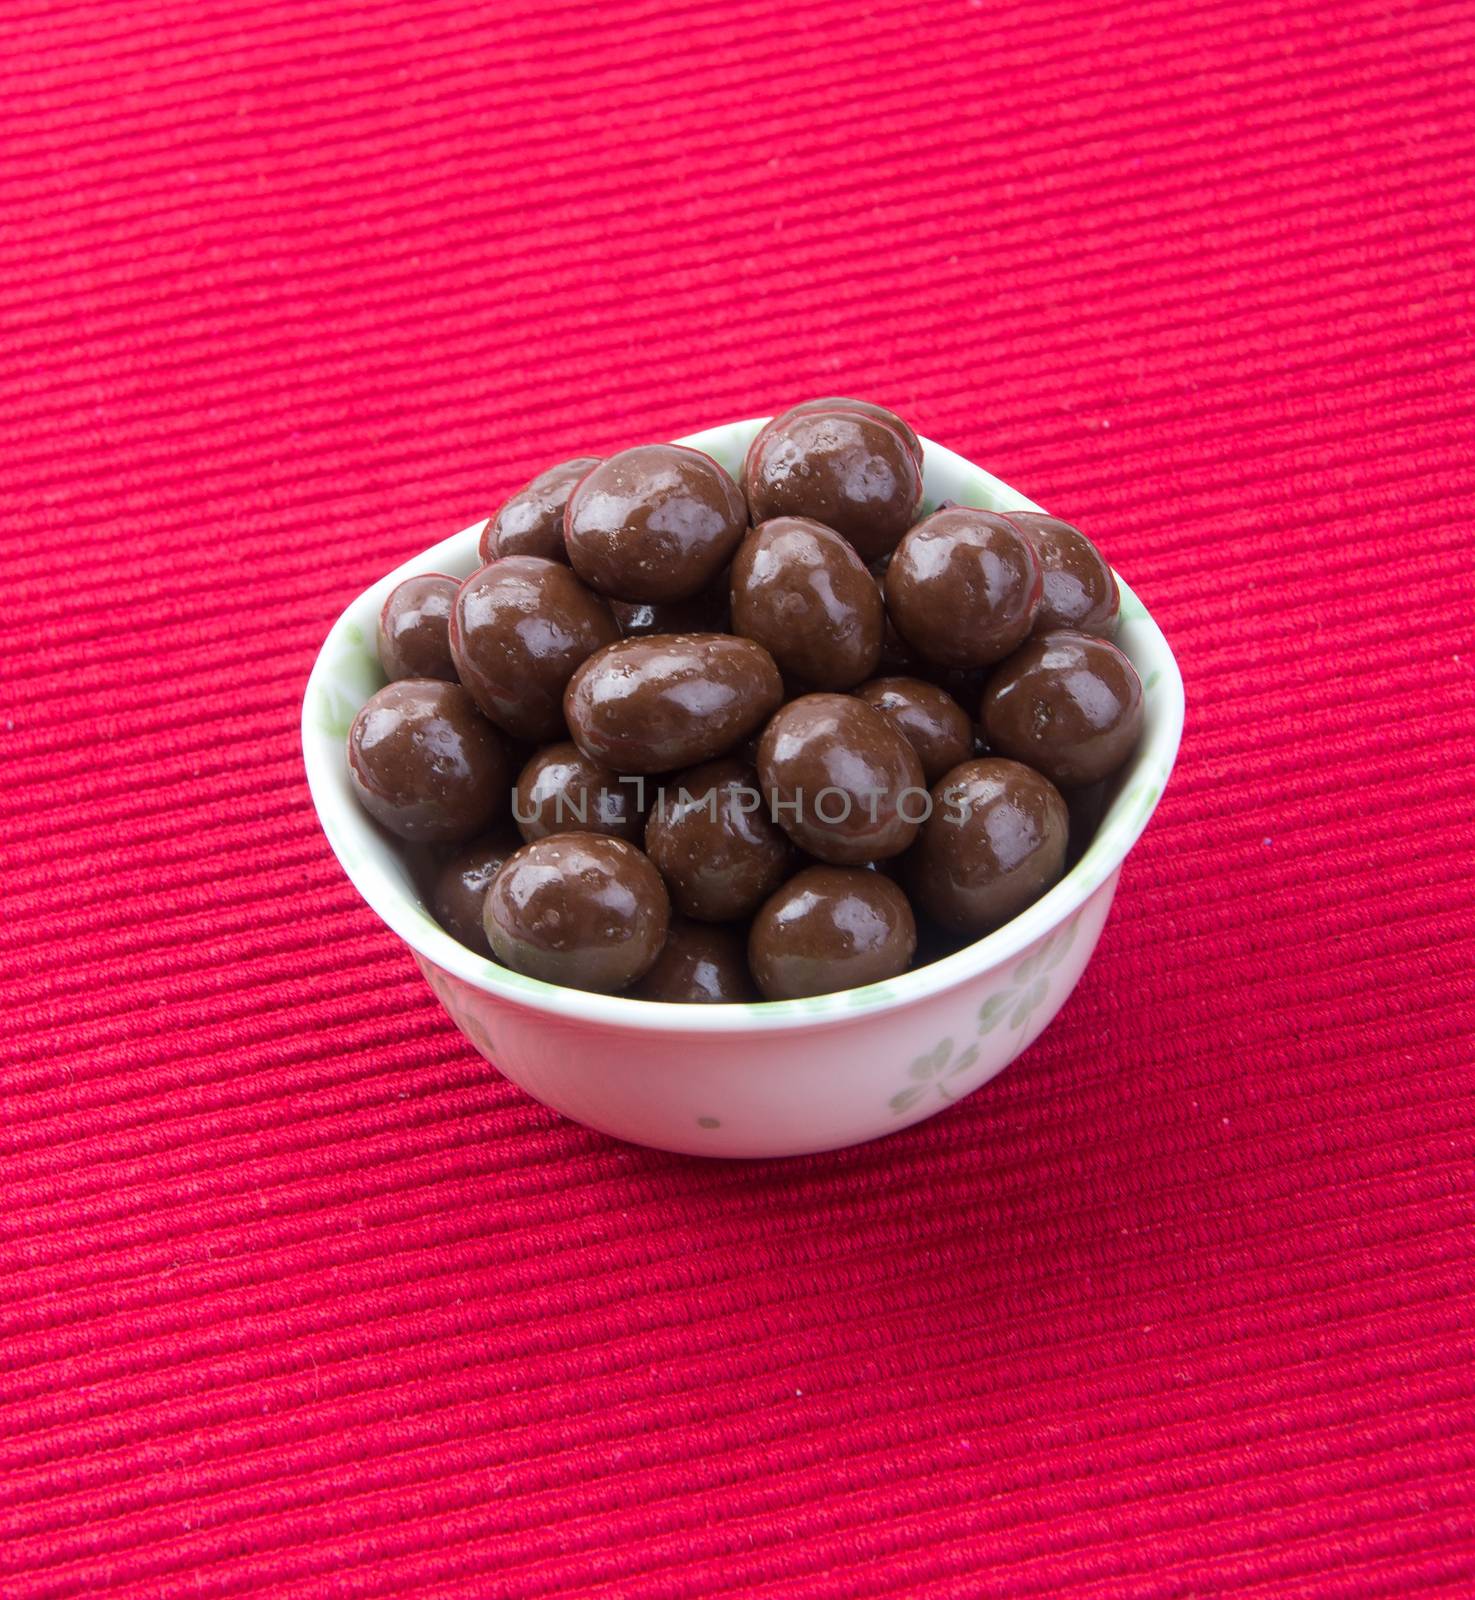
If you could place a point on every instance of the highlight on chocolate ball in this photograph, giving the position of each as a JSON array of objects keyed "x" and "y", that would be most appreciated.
[{"x": 696, "y": 733}]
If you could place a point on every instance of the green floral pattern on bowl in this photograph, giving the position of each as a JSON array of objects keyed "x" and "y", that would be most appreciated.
[
  {"x": 930, "y": 1074},
  {"x": 1012, "y": 1007},
  {"x": 352, "y": 677}
]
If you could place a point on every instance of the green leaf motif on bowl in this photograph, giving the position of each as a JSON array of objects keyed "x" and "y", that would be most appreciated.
[
  {"x": 1013, "y": 1006},
  {"x": 1142, "y": 800},
  {"x": 336, "y": 710},
  {"x": 352, "y": 678},
  {"x": 1031, "y": 982},
  {"x": 931, "y": 1073}
]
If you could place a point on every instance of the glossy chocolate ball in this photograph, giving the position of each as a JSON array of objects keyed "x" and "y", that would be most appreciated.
[
  {"x": 963, "y": 587},
  {"x": 714, "y": 843},
  {"x": 519, "y": 628},
  {"x": 657, "y": 524},
  {"x": 530, "y": 522},
  {"x": 831, "y": 928},
  {"x": 803, "y": 593},
  {"x": 459, "y": 890},
  {"x": 414, "y": 628},
  {"x": 849, "y": 471},
  {"x": 671, "y": 700},
  {"x": 1068, "y": 704},
  {"x": 1080, "y": 590},
  {"x": 701, "y": 963},
  {"x": 866, "y": 408},
  {"x": 580, "y": 909},
  {"x": 995, "y": 841},
  {"x": 840, "y": 780},
  {"x": 426, "y": 764},
  {"x": 562, "y": 791},
  {"x": 927, "y": 717}
]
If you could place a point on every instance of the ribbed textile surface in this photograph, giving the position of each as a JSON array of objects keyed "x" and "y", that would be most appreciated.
[{"x": 297, "y": 1297}]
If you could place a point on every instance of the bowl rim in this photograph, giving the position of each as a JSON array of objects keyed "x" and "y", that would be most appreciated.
[{"x": 368, "y": 858}]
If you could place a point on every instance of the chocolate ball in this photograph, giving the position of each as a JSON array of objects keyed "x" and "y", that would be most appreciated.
[
  {"x": 714, "y": 843},
  {"x": 866, "y": 408},
  {"x": 927, "y": 717},
  {"x": 701, "y": 963},
  {"x": 580, "y": 909},
  {"x": 459, "y": 890},
  {"x": 803, "y": 593},
  {"x": 671, "y": 700},
  {"x": 530, "y": 522},
  {"x": 1080, "y": 590},
  {"x": 519, "y": 628},
  {"x": 562, "y": 791},
  {"x": 425, "y": 763},
  {"x": 851, "y": 472},
  {"x": 1068, "y": 704},
  {"x": 995, "y": 841},
  {"x": 830, "y": 928},
  {"x": 414, "y": 628},
  {"x": 840, "y": 780},
  {"x": 963, "y": 587},
  {"x": 657, "y": 524}
]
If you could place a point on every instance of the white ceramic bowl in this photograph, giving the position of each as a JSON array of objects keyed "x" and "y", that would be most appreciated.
[{"x": 770, "y": 1079}]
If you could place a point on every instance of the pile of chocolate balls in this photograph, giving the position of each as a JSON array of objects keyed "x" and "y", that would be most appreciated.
[{"x": 692, "y": 739}]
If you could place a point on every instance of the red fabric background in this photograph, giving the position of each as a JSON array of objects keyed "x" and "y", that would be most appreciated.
[{"x": 296, "y": 1296}]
